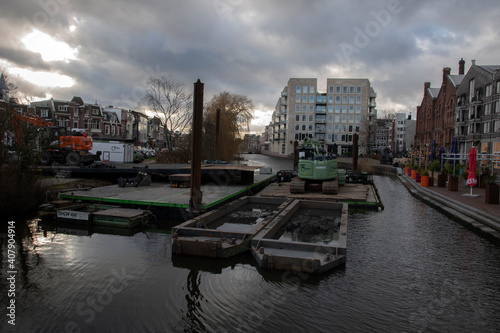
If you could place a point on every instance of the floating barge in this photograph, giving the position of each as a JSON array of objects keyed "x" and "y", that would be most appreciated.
[
  {"x": 276, "y": 247},
  {"x": 81, "y": 214},
  {"x": 227, "y": 231}
]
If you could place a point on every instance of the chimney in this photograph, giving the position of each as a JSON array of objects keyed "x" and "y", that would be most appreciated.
[
  {"x": 409, "y": 116},
  {"x": 446, "y": 72},
  {"x": 427, "y": 85},
  {"x": 461, "y": 67},
  {"x": 474, "y": 62}
]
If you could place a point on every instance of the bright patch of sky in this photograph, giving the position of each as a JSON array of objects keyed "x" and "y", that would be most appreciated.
[
  {"x": 49, "y": 48},
  {"x": 43, "y": 79}
]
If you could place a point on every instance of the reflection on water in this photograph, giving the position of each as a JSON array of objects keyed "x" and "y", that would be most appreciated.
[{"x": 408, "y": 269}]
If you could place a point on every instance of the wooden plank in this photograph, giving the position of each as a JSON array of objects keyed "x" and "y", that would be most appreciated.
[{"x": 120, "y": 212}]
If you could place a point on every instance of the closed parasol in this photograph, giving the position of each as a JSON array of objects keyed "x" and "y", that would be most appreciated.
[{"x": 471, "y": 179}]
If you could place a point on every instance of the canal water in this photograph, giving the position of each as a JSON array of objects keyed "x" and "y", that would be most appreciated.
[{"x": 408, "y": 269}]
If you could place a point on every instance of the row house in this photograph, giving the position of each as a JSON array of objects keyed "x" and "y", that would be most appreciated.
[
  {"x": 478, "y": 109},
  {"x": 436, "y": 113},
  {"x": 156, "y": 136},
  {"x": 466, "y": 107}
]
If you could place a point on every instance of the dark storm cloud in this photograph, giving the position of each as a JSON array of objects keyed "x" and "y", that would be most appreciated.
[{"x": 253, "y": 47}]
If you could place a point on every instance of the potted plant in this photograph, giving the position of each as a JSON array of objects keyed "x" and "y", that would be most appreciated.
[
  {"x": 434, "y": 167},
  {"x": 424, "y": 178},
  {"x": 442, "y": 177},
  {"x": 452, "y": 179},
  {"x": 492, "y": 189}
]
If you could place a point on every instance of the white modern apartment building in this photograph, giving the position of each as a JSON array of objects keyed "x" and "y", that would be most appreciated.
[{"x": 346, "y": 107}]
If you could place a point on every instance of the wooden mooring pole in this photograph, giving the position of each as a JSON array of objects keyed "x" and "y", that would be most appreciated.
[{"x": 196, "y": 194}]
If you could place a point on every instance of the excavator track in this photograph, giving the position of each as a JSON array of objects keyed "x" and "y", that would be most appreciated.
[
  {"x": 331, "y": 186},
  {"x": 297, "y": 185}
]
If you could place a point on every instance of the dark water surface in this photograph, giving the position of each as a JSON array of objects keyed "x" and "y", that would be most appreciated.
[{"x": 408, "y": 269}]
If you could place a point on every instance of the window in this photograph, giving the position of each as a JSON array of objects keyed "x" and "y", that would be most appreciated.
[
  {"x": 330, "y": 127},
  {"x": 95, "y": 112},
  {"x": 113, "y": 130},
  {"x": 331, "y": 89},
  {"x": 337, "y": 119},
  {"x": 86, "y": 123},
  {"x": 471, "y": 90},
  {"x": 311, "y": 108},
  {"x": 498, "y": 87},
  {"x": 297, "y": 127},
  {"x": 351, "y": 90},
  {"x": 337, "y": 108},
  {"x": 304, "y": 98},
  {"x": 312, "y": 90},
  {"x": 304, "y": 108},
  {"x": 329, "y": 137},
  {"x": 338, "y": 89},
  {"x": 297, "y": 107},
  {"x": 75, "y": 123},
  {"x": 357, "y": 129},
  {"x": 297, "y": 98},
  {"x": 344, "y": 108},
  {"x": 310, "y": 117},
  {"x": 351, "y": 99},
  {"x": 344, "y": 118},
  {"x": 488, "y": 90},
  {"x": 106, "y": 130},
  {"x": 337, "y": 99},
  {"x": 304, "y": 117},
  {"x": 330, "y": 99},
  {"x": 336, "y": 137},
  {"x": 345, "y": 89},
  {"x": 304, "y": 90},
  {"x": 344, "y": 99},
  {"x": 96, "y": 124},
  {"x": 297, "y": 117},
  {"x": 486, "y": 127},
  {"x": 62, "y": 108},
  {"x": 330, "y": 108},
  {"x": 311, "y": 98},
  {"x": 358, "y": 99},
  {"x": 310, "y": 127},
  {"x": 358, "y": 109},
  {"x": 330, "y": 118},
  {"x": 487, "y": 109},
  {"x": 358, "y": 90},
  {"x": 44, "y": 113}
]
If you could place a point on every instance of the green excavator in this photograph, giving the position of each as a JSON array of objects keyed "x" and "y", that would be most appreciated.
[{"x": 316, "y": 169}]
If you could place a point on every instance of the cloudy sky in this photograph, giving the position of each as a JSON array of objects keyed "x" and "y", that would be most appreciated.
[{"x": 105, "y": 50}]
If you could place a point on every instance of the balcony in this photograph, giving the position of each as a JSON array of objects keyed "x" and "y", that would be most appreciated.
[
  {"x": 284, "y": 94},
  {"x": 283, "y": 101}
]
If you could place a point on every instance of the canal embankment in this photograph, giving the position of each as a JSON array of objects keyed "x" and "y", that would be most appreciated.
[{"x": 470, "y": 211}]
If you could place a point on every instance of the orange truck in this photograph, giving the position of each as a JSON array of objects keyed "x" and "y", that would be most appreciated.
[{"x": 56, "y": 144}]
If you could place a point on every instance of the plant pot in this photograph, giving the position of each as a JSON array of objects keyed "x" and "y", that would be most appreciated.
[
  {"x": 409, "y": 172},
  {"x": 418, "y": 178},
  {"x": 424, "y": 181},
  {"x": 492, "y": 194},
  {"x": 406, "y": 170},
  {"x": 413, "y": 174},
  {"x": 441, "y": 181},
  {"x": 480, "y": 182},
  {"x": 431, "y": 181},
  {"x": 452, "y": 183}
]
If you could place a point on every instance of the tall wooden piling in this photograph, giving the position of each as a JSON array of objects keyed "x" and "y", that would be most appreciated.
[
  {"x": 217, "y": 130},
  {"x": 355, "y": 139},
  {"x": 196, "y": 194}
]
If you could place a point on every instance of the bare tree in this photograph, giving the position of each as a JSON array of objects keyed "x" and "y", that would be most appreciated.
[{"x": 171, "y": 103}]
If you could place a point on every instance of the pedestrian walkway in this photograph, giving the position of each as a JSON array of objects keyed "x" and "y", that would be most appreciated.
[{"x": 472, "y": 211}]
